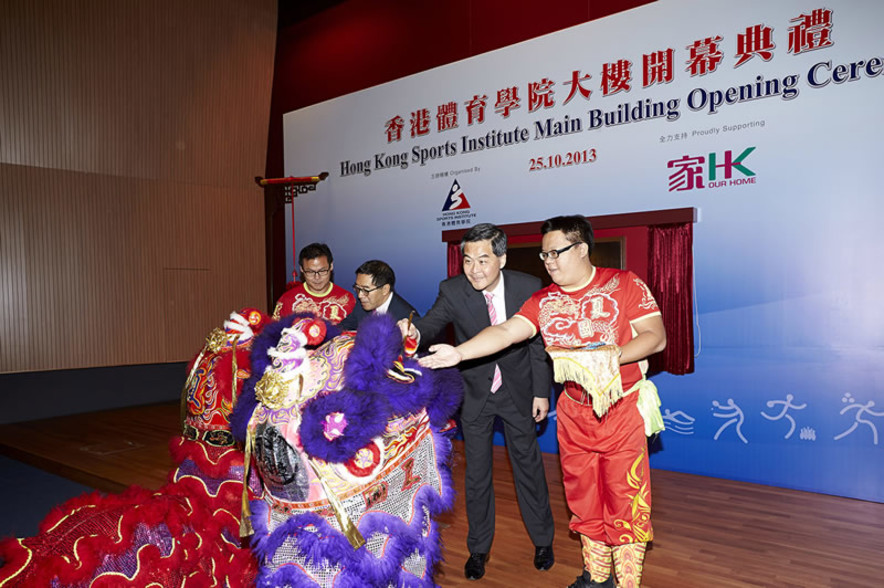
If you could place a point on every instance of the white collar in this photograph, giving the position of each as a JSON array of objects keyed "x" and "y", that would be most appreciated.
[
  {"x": 498, "y": 289},
  {"x": 382, "y": 308}
]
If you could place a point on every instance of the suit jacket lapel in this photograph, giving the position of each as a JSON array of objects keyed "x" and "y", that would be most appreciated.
[
  {"x": 474, "y": 302},
  {"x": 394, "y": 310},
  {"x": 398, "y": 307}
]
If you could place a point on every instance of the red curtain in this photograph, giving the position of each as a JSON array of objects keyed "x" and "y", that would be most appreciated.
[
  {"x": 670, "y": 277},
  {"x": 455, "y": 259}
]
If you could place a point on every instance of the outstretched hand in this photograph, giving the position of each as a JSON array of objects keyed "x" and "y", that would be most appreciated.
[{"x": 441, "y": 356}]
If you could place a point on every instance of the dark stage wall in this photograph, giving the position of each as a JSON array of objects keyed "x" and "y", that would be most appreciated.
[{"x": 39, "y": 395}]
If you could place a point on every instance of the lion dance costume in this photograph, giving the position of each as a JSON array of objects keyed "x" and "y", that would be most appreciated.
[
  {"x": 349, "y": 440},
  {"x": 350, "y": 451},
  {"x": 184, "y": 534}
]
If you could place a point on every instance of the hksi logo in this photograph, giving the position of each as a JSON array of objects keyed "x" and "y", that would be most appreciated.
[
  {"x": 689, "y": 172},
  {"x": 456, "y": 200},
  {"x": 456, "y": 213}
]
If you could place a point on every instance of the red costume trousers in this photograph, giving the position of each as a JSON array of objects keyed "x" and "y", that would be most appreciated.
[{"x": 605, "y": 470}]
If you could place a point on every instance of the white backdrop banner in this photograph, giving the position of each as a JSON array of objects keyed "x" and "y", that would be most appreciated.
[{"x": 765, "y": 116}]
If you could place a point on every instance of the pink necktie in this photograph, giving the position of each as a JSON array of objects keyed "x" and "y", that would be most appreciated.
[{"x": 492, "y": 314}]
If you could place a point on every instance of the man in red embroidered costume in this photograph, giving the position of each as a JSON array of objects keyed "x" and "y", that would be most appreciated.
[
  {"x": 601, "y": 424},
  {"x": 316, "y": 294}
]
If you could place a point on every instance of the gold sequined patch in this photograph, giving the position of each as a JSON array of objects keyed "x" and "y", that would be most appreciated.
[{"x": 271, "y": 390}]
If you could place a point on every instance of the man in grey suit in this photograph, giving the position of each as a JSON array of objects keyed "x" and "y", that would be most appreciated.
[
  {"x": 374, "y": 289},
  {"x": 512, "y": 385}
]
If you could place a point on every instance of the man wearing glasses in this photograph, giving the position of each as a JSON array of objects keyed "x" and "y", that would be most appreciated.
[
  {"x": 316, "y": 294},
  {"x": 513, "y": 385},
  {"x": 605, "y": 468},
  {"x": 375, "y": 280}
]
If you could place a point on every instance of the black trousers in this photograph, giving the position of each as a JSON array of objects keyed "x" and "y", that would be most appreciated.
[{"x": 528, "y": 473}]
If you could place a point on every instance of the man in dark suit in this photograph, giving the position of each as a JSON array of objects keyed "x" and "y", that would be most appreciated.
[
  {"x": 374, "y": 289},
  {"x": 513, "y": 385}
]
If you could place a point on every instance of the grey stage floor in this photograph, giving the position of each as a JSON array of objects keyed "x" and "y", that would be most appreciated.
[{"x": 27, "y": 494}]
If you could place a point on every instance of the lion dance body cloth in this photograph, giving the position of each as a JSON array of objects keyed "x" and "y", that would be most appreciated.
[
  {"x": 186, "y": 534},
  {"x": 347, "y": 436}
]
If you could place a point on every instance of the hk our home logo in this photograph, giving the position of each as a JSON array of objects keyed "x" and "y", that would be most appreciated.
[{"x": 710, "y": 171}]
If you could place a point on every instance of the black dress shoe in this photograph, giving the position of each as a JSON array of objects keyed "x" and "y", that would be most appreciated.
[
  {"x": 475, "y": 566},
  {"x": 585, "y": 581},
  {"x": 543, "y": 557}
]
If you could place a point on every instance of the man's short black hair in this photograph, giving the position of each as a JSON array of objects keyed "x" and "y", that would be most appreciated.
[
  {"x": 575, "y": 228},
  {"x": 486, "y": 232},
  {"x": 381, "y": 273},
  {"x": 314, "y": 250}
]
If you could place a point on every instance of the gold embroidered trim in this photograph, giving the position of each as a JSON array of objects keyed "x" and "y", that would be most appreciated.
[
  {"x": 272, "y": 390},
  {"x": 597, "y": 370},
  {"x": 347, "y": 526}
]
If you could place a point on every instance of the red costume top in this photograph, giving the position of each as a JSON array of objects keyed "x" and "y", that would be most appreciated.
[
  {"x": 601, "y": 312},
  {"x": 333, "y": 304}
]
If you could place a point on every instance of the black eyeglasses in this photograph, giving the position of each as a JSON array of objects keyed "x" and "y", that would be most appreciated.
[
  {"x": 315, "y": 273},
  {"x": 361, "y": 290},
  {"x": 554, "y": 254}
]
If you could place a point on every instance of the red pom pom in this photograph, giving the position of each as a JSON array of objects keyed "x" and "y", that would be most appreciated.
[
  {"x": 257, "y": 319},
  {"x": 315, "y": 332}
]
